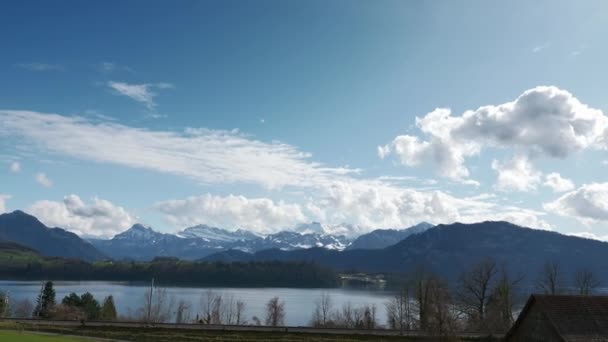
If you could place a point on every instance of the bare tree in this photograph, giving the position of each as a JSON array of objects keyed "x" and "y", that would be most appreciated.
[
  {"x": 550, "y": 278},
  {"x": 473, "y": 292},
  {"x": 502, "y": 301},
  {"x": 208, "y": 298},
  {"x": 221, "y": 309},
  {"x": 158, "y": 307},
  {"x": 399, "y": 310},
  {"x": 433, "y": 305},
  {"x": 321, "y": 316},
  {"x": 585, "y": 282},
  {"x": 367, "y": 318},
  {"x": 22, "y": 308},
  {"x": 182, "y": 315},
  {"x": 240, "y": 313},
  {"x": 275, "y": 312},
  {"x": 344, "y": 318}
]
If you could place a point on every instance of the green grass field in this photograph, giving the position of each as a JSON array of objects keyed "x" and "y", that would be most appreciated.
[{"x": 16, "y": 336}]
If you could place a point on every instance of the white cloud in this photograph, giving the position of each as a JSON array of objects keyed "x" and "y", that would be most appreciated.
[
  {"x": 543, "y": 121},
  {"x": 384, "y": 151},
  {"x": 370, "y": 205},
  {"x": 207, "y": 156},
  {"x": 258, "y": 214},
  {"x": 42, "y": 179},
  {"x": 41, "y": 66},
  {"x": 3, "y": 199},
  {"x": 349, "y": 208},
  {"x": 98, "y": 218},
  {"x": 589, "y": 235},
  {"x": 556, "y": 182},
  {"x": 517, "y": 174},
  {"x": 339, "y": 195},
  {"x": 541, "y": 47},
  {"x": 588, "y": 204},
  {"x": 15, "y": 167},
  {"x": 142, "y": 93}
]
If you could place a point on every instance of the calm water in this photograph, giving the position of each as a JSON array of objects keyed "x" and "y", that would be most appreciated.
[{"x": 299, "y": 303}]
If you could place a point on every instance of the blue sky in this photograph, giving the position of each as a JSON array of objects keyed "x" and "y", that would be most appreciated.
[{"x": 266, "y": 114}]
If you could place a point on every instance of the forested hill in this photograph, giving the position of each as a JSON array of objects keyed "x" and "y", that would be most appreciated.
[
  {"x": 450, "y": 249},
  {"x": 22, "y": 263}
]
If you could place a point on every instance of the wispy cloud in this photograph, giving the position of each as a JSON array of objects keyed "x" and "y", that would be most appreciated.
[
  {"x": 108, "y": 67},
  {"x": 3, "y": 199},
  {"x": 143, "y": 93},
  {"x": 332, "y": 194},
  {"x": 207, "y": 156},
  {"x": 15, "y": 167},
  {"x": 540, "y": 47},
  {"x": 42, "y": 179},
  {"x": 41, "y": 66}
]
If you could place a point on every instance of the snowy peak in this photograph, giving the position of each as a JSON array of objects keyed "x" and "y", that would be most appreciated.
[
  {"x": 287, "y": 240},
  {"x": 208, "y": 233},
  {"x": 138, "y": 232}
]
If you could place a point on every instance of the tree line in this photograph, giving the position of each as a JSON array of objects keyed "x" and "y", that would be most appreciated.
[
  {"x": 484, "y": 298},
  {"x": 171, "y": 271}
]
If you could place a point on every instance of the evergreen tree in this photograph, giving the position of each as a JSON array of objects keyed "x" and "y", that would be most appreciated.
[
  {"x": 108, "y": 310},
  {"x": 90, "y": 306},
  {"x": 45, "y": 302},
  {"x": 72, "y": 300}
]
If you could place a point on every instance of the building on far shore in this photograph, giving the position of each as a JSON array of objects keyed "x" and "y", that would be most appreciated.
[{"x": 563, "y": 318}]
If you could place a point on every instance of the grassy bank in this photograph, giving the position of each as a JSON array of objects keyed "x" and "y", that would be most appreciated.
[{"x": 167, "y": 334}]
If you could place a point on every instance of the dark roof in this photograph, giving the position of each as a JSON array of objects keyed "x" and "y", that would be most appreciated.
[{"x": 574, "y": 318}]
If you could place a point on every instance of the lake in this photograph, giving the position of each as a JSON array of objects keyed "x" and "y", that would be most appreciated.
[{"x": 299, "y": 303}]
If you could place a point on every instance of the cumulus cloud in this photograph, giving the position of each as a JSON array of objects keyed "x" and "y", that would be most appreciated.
[
  {"x": 42, "y": 179},
  {"x": 15, "y": 167},
  {"x": 97, "y": 218},
  {"x": 517, "y": 174},
  {"x": 258, "y": 214},
  {"x": 588, "y": 204},
  {"x": 543, "y": 121},
  {"x": 374, "y": 204},
  {"x": 143, "y": 93},
  {"x": 3, "y": 199},
  {"x": 338, "y": 195},
  {"x": 556, "y": 182},
  {"x": 207, "y": 156}
]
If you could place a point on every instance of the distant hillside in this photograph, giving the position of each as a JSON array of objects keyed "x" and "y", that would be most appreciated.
[
  {"x": 382, "y": 238},
  {"x": 26, "y": 230},
  {"x": 450, "y": 249}
]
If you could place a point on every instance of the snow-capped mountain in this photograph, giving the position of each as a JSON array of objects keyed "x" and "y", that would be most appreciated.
[
  {"x": 290, "y": 240},
  {"x": 208, "y": 233},
  {"x": 382, "y": 238},
  {"x": 144, "y": 243},
  {"x": 139, "y": 232}
]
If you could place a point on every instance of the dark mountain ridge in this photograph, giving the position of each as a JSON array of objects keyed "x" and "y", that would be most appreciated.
[
  {"x": 450, "y": 249},
  {"x": 382, "y": 238},
  {"x": 26, "y": 230}
]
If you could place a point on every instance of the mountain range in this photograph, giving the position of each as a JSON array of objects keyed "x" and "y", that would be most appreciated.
[
  {"x": 445, "y": 249},
  {"x": 143, "y": 243},
  {"x": 450, "y": 249}
]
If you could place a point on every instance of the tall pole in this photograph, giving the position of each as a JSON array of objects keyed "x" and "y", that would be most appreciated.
[{"x": 150, "y": 299}]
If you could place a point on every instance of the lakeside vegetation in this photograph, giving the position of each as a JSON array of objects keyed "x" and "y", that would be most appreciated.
[{"x": 19, "y": 263}]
